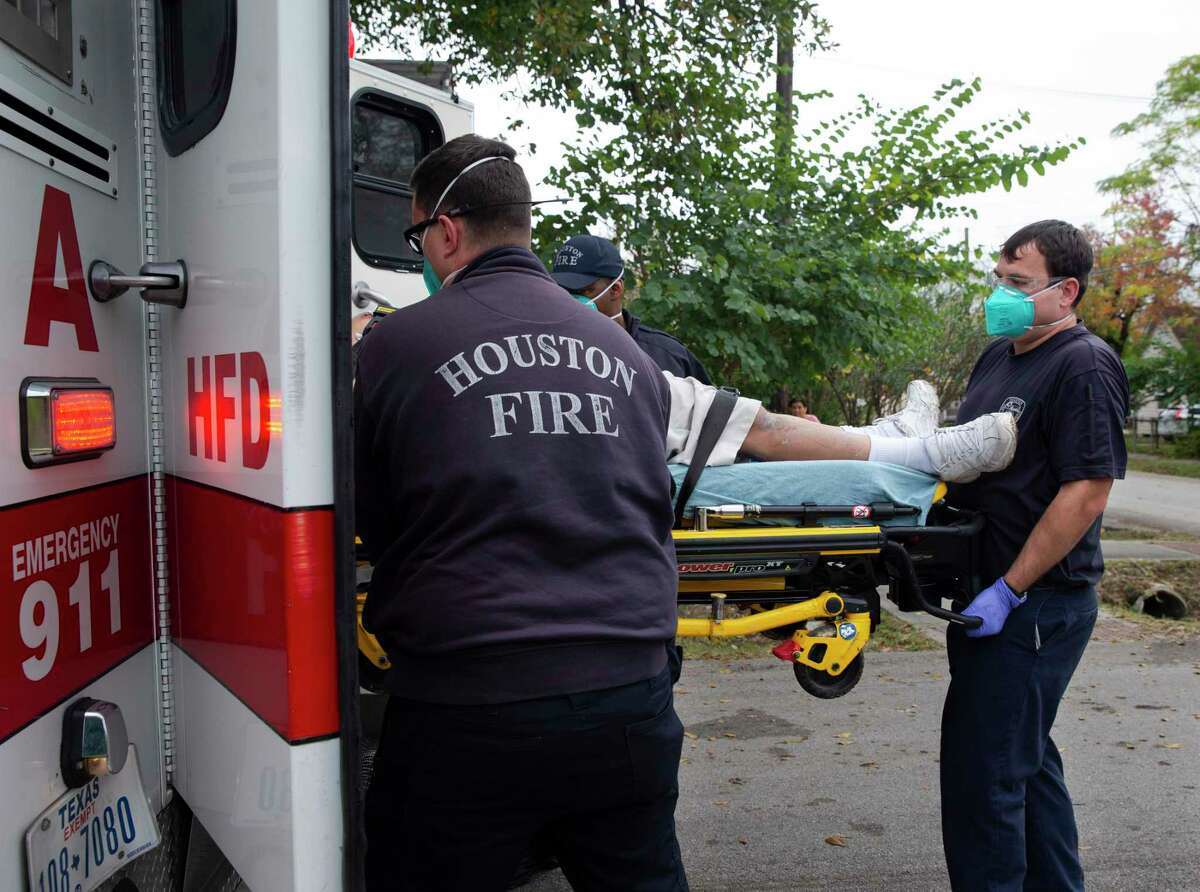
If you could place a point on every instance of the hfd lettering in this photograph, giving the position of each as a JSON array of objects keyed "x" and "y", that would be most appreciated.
[
  {"x": 211, "y": 406},
  {"x": 47, "y": 301}
]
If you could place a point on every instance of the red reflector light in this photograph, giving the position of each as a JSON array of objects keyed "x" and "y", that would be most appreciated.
[
  {"x": 82, "y": 420},
  {"x": 65, "y": 419}
]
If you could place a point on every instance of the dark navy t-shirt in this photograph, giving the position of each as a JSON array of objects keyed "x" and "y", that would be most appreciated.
[{"x": 1070, "y": 397}]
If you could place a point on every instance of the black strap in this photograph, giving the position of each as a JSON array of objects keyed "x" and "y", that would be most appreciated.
[{"x": 710, "y": 432}]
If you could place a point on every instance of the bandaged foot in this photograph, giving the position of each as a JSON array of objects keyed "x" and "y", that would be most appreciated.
[
  {"x": 918, "y": 415},
  {"x": 956, "y": 454}
]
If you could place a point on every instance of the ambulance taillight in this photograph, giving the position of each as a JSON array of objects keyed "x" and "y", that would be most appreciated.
[{"x": 66, "y": 419}]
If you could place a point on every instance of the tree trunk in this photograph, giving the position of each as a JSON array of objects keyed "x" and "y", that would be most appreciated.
[{"x": 785, "y": 43}]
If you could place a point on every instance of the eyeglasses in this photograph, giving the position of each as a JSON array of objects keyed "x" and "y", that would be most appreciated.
[
  {"x": 413, "y": 234},
  {"x": 1023, "y": 283}
]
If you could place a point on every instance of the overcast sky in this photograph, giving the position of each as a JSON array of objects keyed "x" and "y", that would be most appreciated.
[{"x": 1079, "y": 68}]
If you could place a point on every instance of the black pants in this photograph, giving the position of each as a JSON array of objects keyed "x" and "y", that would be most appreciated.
[
  {"x": 1007, "y": 820},
  {"x": 459, "y": 792}
]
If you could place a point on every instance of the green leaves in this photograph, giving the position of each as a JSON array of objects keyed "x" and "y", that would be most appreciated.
[
  {"x": 1170, "y": 132},
  {"x": 776, "y": 257}
]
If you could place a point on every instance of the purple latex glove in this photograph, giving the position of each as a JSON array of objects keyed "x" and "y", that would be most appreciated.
[{"x": 993, "y": 605}]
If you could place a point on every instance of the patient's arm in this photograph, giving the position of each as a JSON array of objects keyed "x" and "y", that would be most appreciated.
[{"x": 775, "y": 437}]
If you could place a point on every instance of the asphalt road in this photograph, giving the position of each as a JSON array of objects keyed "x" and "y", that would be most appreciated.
[
  {"x": 771, "y": 772},
  {"x": 1156, "y": 500}
]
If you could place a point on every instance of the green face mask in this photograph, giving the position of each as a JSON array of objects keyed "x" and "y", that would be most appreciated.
[
  {"x": 432, "y": 283},
  {"x": 1008, "y": 312}
]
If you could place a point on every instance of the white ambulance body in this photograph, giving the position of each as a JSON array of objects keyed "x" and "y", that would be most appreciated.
[{"x": 175, "y": 499}]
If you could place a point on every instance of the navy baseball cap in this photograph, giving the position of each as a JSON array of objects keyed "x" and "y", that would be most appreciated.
[{"x": 584, "y": 259}]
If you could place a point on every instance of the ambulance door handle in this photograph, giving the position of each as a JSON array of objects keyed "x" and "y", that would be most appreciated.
[
  {"x": 161, "y": 283},
  {"x": 363, "y": 295}
]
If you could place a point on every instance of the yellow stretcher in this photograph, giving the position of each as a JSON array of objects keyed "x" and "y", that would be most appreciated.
[{"x": 815, "y": 588}]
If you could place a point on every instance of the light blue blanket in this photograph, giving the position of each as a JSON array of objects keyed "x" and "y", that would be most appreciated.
[{"x": 818, "y": 482}]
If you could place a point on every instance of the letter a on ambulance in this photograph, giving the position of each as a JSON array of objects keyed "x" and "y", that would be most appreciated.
[{"x": 48, "y": 300}]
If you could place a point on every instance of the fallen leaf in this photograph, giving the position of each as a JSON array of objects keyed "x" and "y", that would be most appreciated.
[
  {"x": 736, "y": 780},
  {"x": 869, "y": 765},
  {"x": 729, "y": 734},
  {"x": 721, "y": 802},
  {"x": 691, "y": 736},
  {"x": 1171, "y": 746},
  {"x": 836, "y": 840}
]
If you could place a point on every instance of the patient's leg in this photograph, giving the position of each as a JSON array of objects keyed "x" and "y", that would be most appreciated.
[{"x": 956, "y": 454}]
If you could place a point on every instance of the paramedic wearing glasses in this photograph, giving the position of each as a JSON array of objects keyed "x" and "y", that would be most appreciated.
[
  {"x": 505, "y": 427},
  {"x": 592, "y": 270},
  {"x": 513, "y": 494},
  {"x": 1007, "y": 819}
]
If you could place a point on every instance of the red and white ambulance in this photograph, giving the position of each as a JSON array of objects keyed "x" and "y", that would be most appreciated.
[{"x": 190, "y": 191}]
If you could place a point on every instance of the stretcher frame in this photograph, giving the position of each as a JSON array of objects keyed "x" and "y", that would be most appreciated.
[
  {"x": 814, "y": 587},
  {"x": 817, "y": 586}
]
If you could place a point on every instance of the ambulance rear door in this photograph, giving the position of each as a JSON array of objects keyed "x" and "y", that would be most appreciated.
[
  {"x": 78, "y": 616},
  {"x": 395, "y": 121},
  {"x": 244, "y": 200}
]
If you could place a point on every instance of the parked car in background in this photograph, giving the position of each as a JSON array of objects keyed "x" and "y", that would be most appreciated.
[{"x": 1178, "y": 420}]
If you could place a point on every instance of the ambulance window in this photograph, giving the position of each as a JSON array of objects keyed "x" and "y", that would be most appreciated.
[
  {"x": 41, "y": 30},
  {"x": 388, "y": 138},
  {"x": 196, "y": 48}
]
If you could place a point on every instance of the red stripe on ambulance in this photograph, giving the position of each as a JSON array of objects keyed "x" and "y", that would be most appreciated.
[
  {"x": 76, "y": 594},
  {"x": 252, "y": 595}
]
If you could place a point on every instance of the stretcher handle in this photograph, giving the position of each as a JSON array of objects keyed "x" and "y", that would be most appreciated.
[{"x": 909, "y": 573}]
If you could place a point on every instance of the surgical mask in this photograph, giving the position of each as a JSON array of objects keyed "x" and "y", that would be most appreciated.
[
  {"x": 591, "y": 301},
  {"x": 433, "y": 283},
  {"x": 1009, "y": 312}
]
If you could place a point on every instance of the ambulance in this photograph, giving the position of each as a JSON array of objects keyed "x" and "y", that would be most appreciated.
[{"x": 196, "y": 199}]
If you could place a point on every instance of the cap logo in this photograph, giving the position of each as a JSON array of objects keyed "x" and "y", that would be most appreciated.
[{"x": 568, "y": 255}]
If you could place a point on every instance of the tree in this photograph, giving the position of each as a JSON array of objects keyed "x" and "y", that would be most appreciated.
[
  {"x": 773, "y": 254},
  {"x": 1170, "y": 132},
  {"x": 939, "y": 342},
  {"x": 1141, "y": 272}
]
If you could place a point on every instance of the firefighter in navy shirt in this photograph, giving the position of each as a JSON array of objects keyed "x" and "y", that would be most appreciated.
[
  {"x": 1007, "y": 819},
  {"x": 591, "y": 269}
]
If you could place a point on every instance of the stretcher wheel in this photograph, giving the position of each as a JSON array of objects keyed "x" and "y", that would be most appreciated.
[{"x": 825, "y": 686}]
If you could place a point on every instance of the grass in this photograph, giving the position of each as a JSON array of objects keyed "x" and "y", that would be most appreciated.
[
  {"x": 1125, "y": 580},
  {"x": 1175, "y": 467},
  {"x": 1113, "y": 534},
  {"x": 893, "y": 634}
]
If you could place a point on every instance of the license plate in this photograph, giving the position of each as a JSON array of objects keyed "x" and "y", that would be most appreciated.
[{"x": 91, "y": 833}]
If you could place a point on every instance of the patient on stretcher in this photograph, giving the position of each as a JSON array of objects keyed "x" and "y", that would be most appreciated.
[
  {"x": 833, "y": 482},
  {"x": 909, "y": 437}
]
